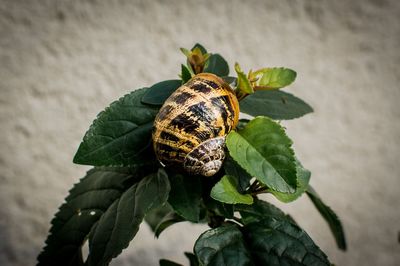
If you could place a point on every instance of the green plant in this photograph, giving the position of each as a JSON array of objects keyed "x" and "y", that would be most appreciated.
[{"x": 127, "y": 184}]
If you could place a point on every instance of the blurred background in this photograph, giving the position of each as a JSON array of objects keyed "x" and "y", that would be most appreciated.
[{"x": 62, "y": 62}]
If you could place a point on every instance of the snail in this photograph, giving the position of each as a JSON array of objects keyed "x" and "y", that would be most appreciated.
[{"x": 190, "y": 128}]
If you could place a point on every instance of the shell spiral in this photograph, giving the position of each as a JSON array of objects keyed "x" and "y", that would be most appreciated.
[{"x": 190, "y": 128}]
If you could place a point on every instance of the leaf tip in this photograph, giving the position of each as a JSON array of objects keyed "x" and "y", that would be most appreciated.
[{"x": 77, "y": 159}]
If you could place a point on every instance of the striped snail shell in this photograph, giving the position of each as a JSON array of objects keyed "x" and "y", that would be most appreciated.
[{"x": 190, "y": 128}]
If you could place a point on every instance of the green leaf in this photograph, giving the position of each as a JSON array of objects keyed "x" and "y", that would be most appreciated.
[
  {"x": 186, "y": 52},
  {"x": 260, "y": 210},
  {"x": 120, "y": 223},
  {"x": 185, "y": 196},
  {"x": 231, "y": 81},
  {"x": 186, "y": 74},
  {"x": 219, "y": 208},
  {"x": 278, "y": 242},
  {"x": 154, "y": 217},
  {"x": 192, "y": 259},
  {"x": 330, "y": 217},
  {"x": 242, "y": 123},
  {"x": 264, "y": 151},
  {"x": 303, "y": 177},
  {"x": 201, "y": 47},
  {"x": 164, "y": 262},
  {"x": 88, "y": 200},
  {"x": 243, "y": 83},
  {"x": 217, "y": 65},
  {"x": 277, "y": 105},
  {"x": 276, "y": 78},
  {"x": 232, "y": 168},
  {"x": 168, "y": 220},
  {"x": 121, "y": 134},
  {"x": 225, "y": 191},
  {"x": 222, "y": 246},
  {"x": 159, "y": 92}
]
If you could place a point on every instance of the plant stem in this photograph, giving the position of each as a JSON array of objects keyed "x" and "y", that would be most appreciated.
[
  {"x": 260, "y": 191},
  {"x": 237, "y": 220},
  {"x": 253, "y": 186},
  {"x": 240, "y": 95}
]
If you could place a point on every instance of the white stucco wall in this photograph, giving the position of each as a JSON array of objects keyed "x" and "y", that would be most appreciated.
[{"x": 61, "y": 62}]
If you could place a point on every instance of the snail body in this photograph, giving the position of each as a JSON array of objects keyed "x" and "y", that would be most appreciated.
[{"x": 190, "y": 128}]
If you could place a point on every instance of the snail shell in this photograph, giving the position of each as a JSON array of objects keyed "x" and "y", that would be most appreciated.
[{"x": 190, "y": 128}]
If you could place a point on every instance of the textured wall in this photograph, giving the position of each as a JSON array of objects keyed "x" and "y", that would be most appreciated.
[{"x": 61, "y": 62}]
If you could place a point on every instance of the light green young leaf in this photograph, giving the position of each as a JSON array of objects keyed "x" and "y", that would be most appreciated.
[
  {"x": 275, "y": 78},
  {"x": 225, "y": 191},
  {"x": 264, "y": 150},
  {"x": 330, "y": 217},
  {"x": 186, "y": 52},
  {"x": 243, "y": 83}
]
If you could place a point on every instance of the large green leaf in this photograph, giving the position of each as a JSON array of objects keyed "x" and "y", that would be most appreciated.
[
  {"x": 222, "y": 246},
  {"x": 232, "y": 168},
  {"x": 168, "y": 220},
  {"x": 164, "y": 262},
  {"x": 156, "y": 215},
  {"x": 224, "y": 210},
  {"x": 263, "y": 150},
  {"x": 242, "y": 123},
  {"x": 217, "y": 65},
  {"x": 231, "y": 81},
  {"x": 273, "y": 241},
  {"x": 192, "y": 259},
  {"x": 212, "y": 207},
  {"x": 225, "y": 191},
  {"x": 161, "y": 218},
  {"x": 330, "y": 217},
  {"x": 303, "y": 177},
  {"x": 87, "y": 202},
  {"x": 159, "y": 92},
  {"x": 120, "y": 223},
  {"x": 120, "y": 135},
  {"x": 275, "y": 78},
  {"x": 277, "y": 105},
  {"x": 260, "y": 210},
  {"x": 185, "y": 196}
]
